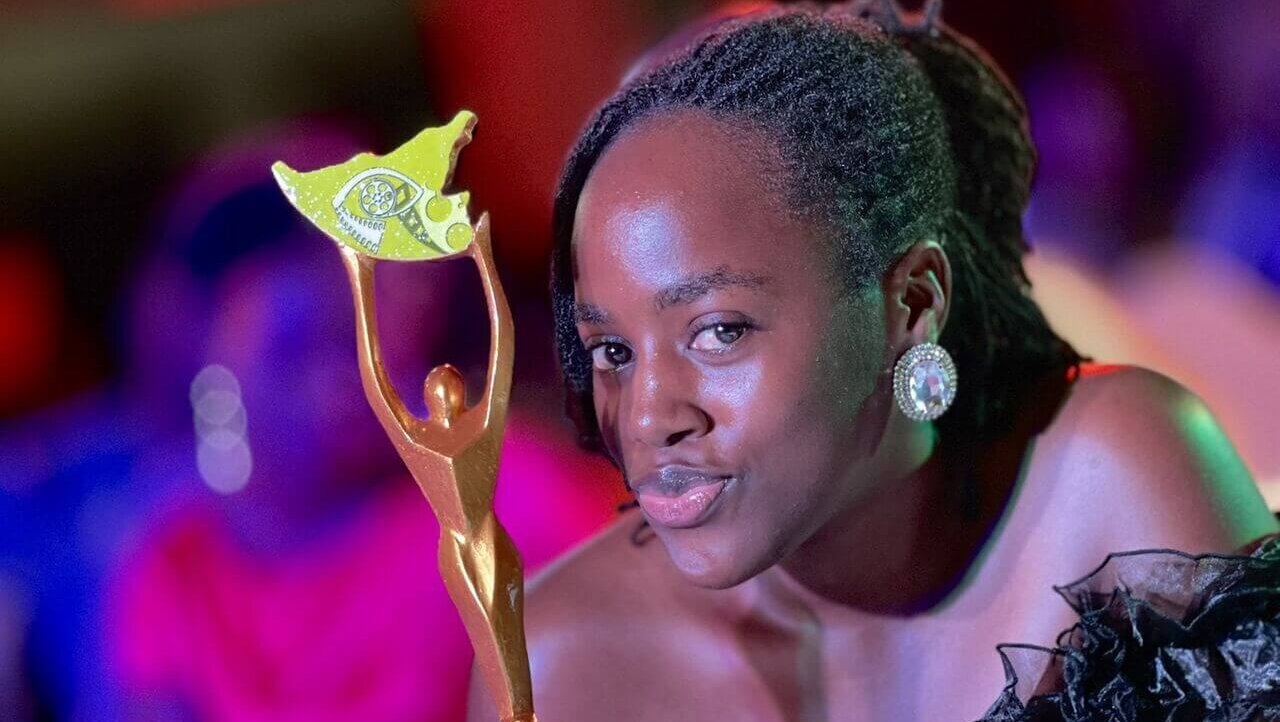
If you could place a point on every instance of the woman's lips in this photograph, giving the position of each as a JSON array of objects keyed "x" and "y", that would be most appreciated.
[{"x": 688, "y": 499}]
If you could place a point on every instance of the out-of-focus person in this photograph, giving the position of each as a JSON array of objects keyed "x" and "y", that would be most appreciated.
[
  {"x": 1233, "y": 199},
  {"x": 1079, "y": 218},
  {"x": 1083, "y": 199},
  {"x": 1195, "y": 305},
  {"x": 80, "y": 477}
]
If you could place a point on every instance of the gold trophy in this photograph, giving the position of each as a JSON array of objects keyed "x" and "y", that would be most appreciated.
[{"x": 393, "y": 207}]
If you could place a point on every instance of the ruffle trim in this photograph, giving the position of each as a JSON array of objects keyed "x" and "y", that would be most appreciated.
[{"x": 1163, "y": 636}]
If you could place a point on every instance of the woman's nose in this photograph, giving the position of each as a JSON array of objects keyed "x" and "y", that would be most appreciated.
[{"x": 664, "y": 409}]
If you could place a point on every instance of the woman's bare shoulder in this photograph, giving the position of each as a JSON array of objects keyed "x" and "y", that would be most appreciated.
[
  {"x": 617, "y": 575},
  {"x": 599, "y": 613},
  {"x": 611, "y": 557},
  {"x": 1144, "y": 460}
]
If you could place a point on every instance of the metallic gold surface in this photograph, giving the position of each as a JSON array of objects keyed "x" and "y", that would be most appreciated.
[{"x": 453, "y": 453}]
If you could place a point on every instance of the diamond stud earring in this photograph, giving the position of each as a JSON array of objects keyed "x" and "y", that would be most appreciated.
[{"x": 924, "y": 382}]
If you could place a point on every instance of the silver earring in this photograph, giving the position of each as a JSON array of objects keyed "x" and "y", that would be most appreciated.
[{"x": 924, "y": 382}]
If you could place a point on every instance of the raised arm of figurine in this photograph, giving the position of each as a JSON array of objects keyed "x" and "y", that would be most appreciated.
[
  {"x": 387, "y": 405},
  {"x": 497, "y": 393},
  {"x": 444, "y": 382}
]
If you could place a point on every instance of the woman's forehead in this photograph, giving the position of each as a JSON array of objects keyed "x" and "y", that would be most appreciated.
[
  {"x": 688, "y": 153},
  {"x": 683, "y": 191}
]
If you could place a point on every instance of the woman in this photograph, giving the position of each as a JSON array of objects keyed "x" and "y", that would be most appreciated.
[{"x": 753, "y": 234}]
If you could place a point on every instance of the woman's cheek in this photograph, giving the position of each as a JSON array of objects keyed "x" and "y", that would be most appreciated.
[
  {"x": 735, "y": 388},
  {"x": 605, "y": 397},
  {"x": 755, "y": 403}
]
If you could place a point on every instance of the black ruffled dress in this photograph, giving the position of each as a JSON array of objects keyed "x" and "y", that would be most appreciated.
[{"x": 1162, "y": 637}]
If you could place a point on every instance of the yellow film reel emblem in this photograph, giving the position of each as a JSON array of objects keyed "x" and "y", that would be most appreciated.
[{"x": 391, "y": 206}]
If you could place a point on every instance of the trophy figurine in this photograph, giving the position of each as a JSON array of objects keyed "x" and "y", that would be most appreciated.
[{"x": 393, "y": 207}]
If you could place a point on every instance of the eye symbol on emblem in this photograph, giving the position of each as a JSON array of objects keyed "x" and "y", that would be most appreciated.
[{"x": 370, "y": 198}]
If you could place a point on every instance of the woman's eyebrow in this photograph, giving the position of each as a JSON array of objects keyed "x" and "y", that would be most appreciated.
[
  {"x": 686, "y": 290},
  {"x": 694, "y": 287},
  {"x": 590, "y": 313}
]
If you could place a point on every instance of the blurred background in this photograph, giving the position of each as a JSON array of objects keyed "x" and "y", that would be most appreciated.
[{"x": 200, "y": 518}]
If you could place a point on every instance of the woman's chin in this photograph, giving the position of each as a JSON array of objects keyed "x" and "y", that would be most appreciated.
[{"x": 710, "y": 567}]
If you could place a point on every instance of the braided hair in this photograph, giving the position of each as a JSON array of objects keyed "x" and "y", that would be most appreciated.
[{"x": 892, "y": 131}]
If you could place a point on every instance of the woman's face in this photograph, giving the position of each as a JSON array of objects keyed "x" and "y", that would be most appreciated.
[{"x": 731, "y": 373}]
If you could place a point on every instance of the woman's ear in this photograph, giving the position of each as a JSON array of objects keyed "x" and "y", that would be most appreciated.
[{"x": 917, "y": 292}]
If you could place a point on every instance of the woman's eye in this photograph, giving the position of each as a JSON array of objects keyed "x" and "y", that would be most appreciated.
[
  {"x": 718, "y": 337},
  {"x": 609, "y": 356}
]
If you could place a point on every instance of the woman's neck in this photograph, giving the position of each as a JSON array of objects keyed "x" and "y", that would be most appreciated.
[
  {"x": 900, "y": 547},
  {"x": 906, "y": 545}
]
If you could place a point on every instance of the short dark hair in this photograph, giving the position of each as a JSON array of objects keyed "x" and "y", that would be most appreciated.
[{"x": 892, "y": 132}]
